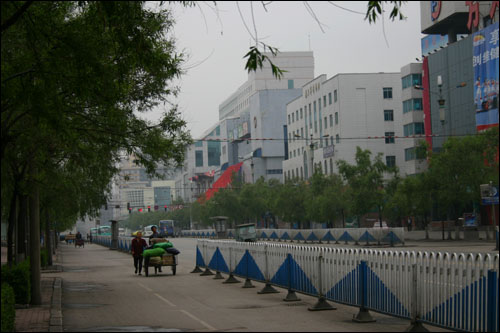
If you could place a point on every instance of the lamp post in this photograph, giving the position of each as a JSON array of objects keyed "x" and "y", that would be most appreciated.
[{"x": 311, "y": 148}]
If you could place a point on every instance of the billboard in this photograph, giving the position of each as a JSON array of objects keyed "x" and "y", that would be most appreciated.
[{"x": 485, "y": 66}]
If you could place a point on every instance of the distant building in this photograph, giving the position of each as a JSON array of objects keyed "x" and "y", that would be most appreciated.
[{"x": 336, "y": 115}]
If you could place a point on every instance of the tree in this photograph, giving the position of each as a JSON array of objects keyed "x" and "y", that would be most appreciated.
[
  {"x": 461, "y": 167},
  {"x": 367, "y": 188}
]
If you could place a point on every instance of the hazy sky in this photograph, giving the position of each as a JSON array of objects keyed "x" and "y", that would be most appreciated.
[{"x": 216, "y": 46}]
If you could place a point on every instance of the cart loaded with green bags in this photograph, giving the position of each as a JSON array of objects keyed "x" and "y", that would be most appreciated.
[{"x": 161, "y": 254}]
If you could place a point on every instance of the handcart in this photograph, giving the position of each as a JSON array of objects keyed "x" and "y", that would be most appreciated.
[
  {"x": 80, "y": 243},
  {"x": 167, "y": 259}
]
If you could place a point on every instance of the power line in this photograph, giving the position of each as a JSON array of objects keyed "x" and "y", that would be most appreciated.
[{"x": 421, "y": 136}]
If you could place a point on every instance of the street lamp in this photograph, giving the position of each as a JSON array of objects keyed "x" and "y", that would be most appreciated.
[{"x": 311, "y": 147}]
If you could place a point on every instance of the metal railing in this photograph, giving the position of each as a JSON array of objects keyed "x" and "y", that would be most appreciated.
[{"x": 450, "y": 290}]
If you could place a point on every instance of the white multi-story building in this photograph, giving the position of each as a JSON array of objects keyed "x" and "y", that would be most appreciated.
[
  {"x": 256, "y": 110},
  {"x": 338, "y": 114}
]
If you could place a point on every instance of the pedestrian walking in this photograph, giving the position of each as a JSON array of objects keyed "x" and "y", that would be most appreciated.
[{"x": 137, "y": 246}]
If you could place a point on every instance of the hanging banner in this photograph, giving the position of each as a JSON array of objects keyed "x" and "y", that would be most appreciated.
[{"x": 485, "y": 65}]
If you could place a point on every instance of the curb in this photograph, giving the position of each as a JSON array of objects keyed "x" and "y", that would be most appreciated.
[{"x": 55, "y": 324}]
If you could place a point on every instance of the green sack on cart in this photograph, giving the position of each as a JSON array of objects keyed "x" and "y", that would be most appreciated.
[
  {"x": 164, "y": 245},
  {"x": 153, "y": 252}
]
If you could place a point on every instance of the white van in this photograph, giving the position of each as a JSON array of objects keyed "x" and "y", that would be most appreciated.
[{"x": 147, "y": 230}]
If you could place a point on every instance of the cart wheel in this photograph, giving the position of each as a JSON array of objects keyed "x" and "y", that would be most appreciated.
[{"x": 174, "y": 269}]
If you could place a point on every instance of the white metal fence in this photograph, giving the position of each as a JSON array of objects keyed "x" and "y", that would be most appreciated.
[
  {"x": 455, "y": 291},
  {"x": 354, "y": 235}
]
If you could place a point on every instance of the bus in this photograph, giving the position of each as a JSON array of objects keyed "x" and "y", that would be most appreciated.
[
  {"x": 93, "y": 232},
  {"x": 104, "y": 230},
  {"x": 167, "y": 228}
]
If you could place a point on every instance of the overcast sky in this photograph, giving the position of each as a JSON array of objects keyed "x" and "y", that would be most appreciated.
[{"x": 216, "y": 46}]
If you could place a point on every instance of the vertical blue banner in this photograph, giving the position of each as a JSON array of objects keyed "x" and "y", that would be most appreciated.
[{"x": 485, "y": 65}]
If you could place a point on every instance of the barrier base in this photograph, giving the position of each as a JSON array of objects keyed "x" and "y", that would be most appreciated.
[
  {"x": 321, "y": 305},
  {"x": 218, "y": 276},
  {"x": 231, "y": 279},
  {"x": 197, "y": 270},
  {"x": 291, "y": 296},
  {"x": 207, "y": 272},
  {"x": 248, "y": 284},
  {"x": 416, "y": 327},
  {"x": 268, "y": 289},
  {"x": 363, "y": 316}
]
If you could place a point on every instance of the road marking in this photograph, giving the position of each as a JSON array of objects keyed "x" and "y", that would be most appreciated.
[
  {"x": 164, "y": 300},
  {"x": 198, "y": 320},
  {"x": 144, "y": 286}
]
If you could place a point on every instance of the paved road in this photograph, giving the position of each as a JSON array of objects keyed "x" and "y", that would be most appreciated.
[{"x": 102, "y": 293}]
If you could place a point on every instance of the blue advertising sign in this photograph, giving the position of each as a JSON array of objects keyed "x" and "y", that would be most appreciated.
[
  {"x": 485, "y": 65},
  {"x": 493, "y": 198}
]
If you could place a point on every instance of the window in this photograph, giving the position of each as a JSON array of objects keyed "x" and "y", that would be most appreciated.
[
  {"x": 411, "y": 80},
  {"x": 387, "y": 93},
  {"x": 335, "y": 95},
  {"x": 410, "y": 154},
  {"x": 324, "y": 101},
  {"x": 199, "y": 158},
  {"x": 389, "y": 137},
  {"x": 293, "y": 117},
  {"x": 217, "y": 130},
  {"x": 326, "y": 169},
  {"x": 319, "y": 104},
  {"x": 413, "y": 129},
  {"x": 290, "y": 84},
  {"x": 198, "y": 144},
  {"x": 331, "y": 120},
  {"x": 301, "y": 113},
  {"x": 331, "y": 163},
  {"x": 331, "y": 140},
  {"x": 326, "y": 123},
  {"x": 297, "y": 115},
  {"x": 213, "y": 151},
  {"x": 302, "y": 131},
  {"x": 390, "y": 161},
  {"x": 414, "y": 104},
  {"x": 329, "y": 98},
  {"x": 288, "y": 119},
  {"x": 336, "y": 118},
  {"x": 337, "y": 138},
  {"x": 274, "y": 171},
  {"x": 388, "y": 115}
]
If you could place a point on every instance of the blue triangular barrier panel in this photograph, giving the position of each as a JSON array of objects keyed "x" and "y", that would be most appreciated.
[
  {"x": 274, "y": 235},
  {"x": 382, "y": 298},
  {"x": 285, "y": 236},
  {"x": 230, "y": 235},
  {"x": 199, "y": 258},
  {"x": 443, "y": 313},
  {"x": 328, "y": 237},
  {"x": 346, "y": 237},
  {"x": 263, "y": 235},
  {"x": 218, "y": 263},
  {"x": 299, "y": 236},
  {"x": 345, "y": 289},
  {"x": 391, "y": 236},
  {"x": 212, "y": 234},
  {"x": 291, "y": 275},
  {"x": 367, "y": 237},
  {"x": 248, "y": 267},
  {"x": 312, "y": 237}
]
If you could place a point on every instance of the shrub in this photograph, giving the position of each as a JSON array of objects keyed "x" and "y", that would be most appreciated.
[
  {"x": 18, "y": 277},
  {"x": 8, "y": 308}
]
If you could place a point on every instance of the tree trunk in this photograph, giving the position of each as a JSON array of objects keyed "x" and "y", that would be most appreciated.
[
  {"x": 22, "y": 240},
  {"x": 10, "y": 228},
  {"x": 55, "y": 242},
  {"x": 48, "y": 242},
  {"x": 426, "y": 226},
  {"x": 36, "y": 295}
]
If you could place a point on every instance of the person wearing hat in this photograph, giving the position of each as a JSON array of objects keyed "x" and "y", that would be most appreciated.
[{"x": 137, "y": 248}]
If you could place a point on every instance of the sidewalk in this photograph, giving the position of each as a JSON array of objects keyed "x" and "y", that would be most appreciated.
[{"x": 46, "y": 317}]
